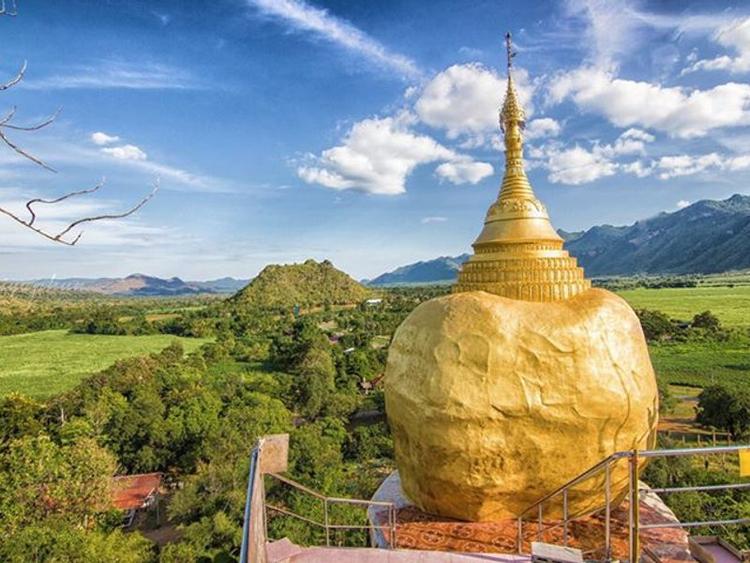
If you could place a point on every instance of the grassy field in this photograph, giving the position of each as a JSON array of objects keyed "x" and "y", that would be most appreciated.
[
  {"x": 41, "y": 364},
  {"x": 730, "y": 304},
  {"x": 702, "y": 364}
]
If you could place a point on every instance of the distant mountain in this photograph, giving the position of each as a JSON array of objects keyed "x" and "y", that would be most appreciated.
[
  {"x": 140, "y": 285},
  {"x": 443, "y": 269},
  {"x": 706, "y": 237},
  {"x": 308, "y": 284}
]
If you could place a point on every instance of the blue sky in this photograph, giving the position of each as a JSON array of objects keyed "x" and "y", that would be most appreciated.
[{"x": 362, "y": 132}]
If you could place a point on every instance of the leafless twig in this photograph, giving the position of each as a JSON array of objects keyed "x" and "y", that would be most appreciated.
[
  {"x": 8, "y": 8},
  {"x": 8, "y": 11},
  {"x": 60, "y": 236}
]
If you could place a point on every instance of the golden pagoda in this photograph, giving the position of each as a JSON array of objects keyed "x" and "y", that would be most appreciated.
[
  {"x": 523, "y": 377},
  {"x": 518, "y": 254}
]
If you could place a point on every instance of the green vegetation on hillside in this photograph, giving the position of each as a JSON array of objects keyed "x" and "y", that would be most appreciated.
[
  {"x": 310, "y": 284},
  {"x": 41, "y": 364}
]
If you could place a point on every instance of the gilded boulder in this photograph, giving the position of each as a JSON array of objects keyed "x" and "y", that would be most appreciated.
[{"x": 494, "y": 402}]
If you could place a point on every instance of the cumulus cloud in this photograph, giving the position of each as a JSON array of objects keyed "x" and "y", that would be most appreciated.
[
  {"x": 673, "y": 166},
  {"x": 542, "y": 127},
  {"x": 125, "y": 152},
  {"x": 734, "y": 36},
  {"x": 464, "y": 171},
  {"x": 463, "y": 100},
  {"x": 99, "y": 138},
  {"x": 579, "y": 165},
  {"x": 378, "y": 154},
  {"x": 685, "y": 165},
  {"x": 298, "y": 15},
  {"x": 679, "y": 112}
]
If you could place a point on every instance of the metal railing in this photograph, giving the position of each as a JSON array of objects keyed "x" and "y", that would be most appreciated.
[
  {"x": 251, "y": 523},
  {"x": 328, "y": 502},
  {"x": 633, "y": 495}
]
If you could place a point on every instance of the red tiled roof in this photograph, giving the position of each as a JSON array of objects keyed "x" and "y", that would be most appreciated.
[{"x": 132, "y": 491}]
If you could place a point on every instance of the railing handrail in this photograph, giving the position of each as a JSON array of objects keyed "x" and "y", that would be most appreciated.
[
  {"x": 634, "y": 526},
  {"x": 627, "y": 453},
  {"x": 327, "y": 526},
  {"x": 251, "y": 478}
]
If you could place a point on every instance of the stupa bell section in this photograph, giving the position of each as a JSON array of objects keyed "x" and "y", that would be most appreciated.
[{"x": 524, "y": 376}]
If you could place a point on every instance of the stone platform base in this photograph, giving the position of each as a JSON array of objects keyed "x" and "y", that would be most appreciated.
[{"x": 418, "y": 530}]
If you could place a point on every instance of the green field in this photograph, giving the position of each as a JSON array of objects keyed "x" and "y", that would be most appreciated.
[
  {"x": 41, "y": 364},
  {"x": 730, "y": 304},
  {"x": 703, "y": 363}
]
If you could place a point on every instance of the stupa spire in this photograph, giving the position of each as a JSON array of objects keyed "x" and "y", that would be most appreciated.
[
  {"x": 512, "y": 123},
  {"x": 519, "y": 254}
]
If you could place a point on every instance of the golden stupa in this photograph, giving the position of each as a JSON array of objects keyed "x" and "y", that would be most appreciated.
[{"x": 524, "y": 376}]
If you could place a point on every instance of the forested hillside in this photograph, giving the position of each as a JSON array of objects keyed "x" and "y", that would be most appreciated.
[{"x": 309, "y": 284}]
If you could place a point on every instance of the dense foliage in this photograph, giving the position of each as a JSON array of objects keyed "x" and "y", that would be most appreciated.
[
  {"x": 310, "y": 284},
  {"x": 195, "y": 417}
]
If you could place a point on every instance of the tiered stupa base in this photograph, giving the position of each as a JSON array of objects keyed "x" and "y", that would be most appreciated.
[{"x": 417, "y": 530}]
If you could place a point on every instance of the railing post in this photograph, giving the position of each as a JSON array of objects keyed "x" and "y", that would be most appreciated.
[
  {"x": 392, "y": 513},
  {"x": 634, "y": 547},
  {"x": 519, "y": 538},
  {"x": 565, "y": 517},
  {"x": 607, "y": 512},
  {"x": 325, "y": 521},
  {"x": 540, "y": 525}
]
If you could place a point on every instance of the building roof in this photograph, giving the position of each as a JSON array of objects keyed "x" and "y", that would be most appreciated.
[{"x": 134, "y": 491}]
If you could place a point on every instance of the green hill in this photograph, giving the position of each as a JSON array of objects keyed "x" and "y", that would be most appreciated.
[{"x": 310, "y": 284}]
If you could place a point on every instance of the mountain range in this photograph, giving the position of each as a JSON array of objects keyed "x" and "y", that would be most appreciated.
[
  {"x": 140, "y": 285},
  {"x": 705, "y": 237}
]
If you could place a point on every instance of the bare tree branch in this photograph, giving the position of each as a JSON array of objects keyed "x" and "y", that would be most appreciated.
[
  {"x": 58, "y": 200},
  {"x": 6, "y": 122},
  {"x": 5, "y": 11},
  {"x": 8, "y": 8},
  {"x": 16, "y": 79},
  {"x": 60, "y": 236}
]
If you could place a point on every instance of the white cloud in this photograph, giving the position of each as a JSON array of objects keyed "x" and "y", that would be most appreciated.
[
  {"x": 54, "y": 218},
  {"x": 118, "y": 74},
  {"x": 578, "y": 165},
  {"x": 735, "y": 36},
  {"x": 682, "y": 204},
  {"x": 301, "y": 16},
  {"x": 99, "y": 138},
  {"x": 638, "y": 168},
  {"x": 378, "y": 154},
  {"x": 464, "y": 171},
  {"x": 610, "y": 28},
  {"x": 543, "y": 127},
  {"x": 427, "y": 220},
  {"x": 677, "y": 111},
  {"x": 673, "y": 166},
  {"x": 464, "y": 100},
  {"x": 125, "y": 152}
]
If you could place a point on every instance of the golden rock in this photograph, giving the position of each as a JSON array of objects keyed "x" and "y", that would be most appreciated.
[
  {"x": 524, "y": 377},
  {"x": 494, "y": 402}
]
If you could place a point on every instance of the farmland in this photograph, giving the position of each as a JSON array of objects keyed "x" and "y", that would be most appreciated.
[
  {"x": 41, "y": 364},
  {"x": 730, "y": 304}
]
